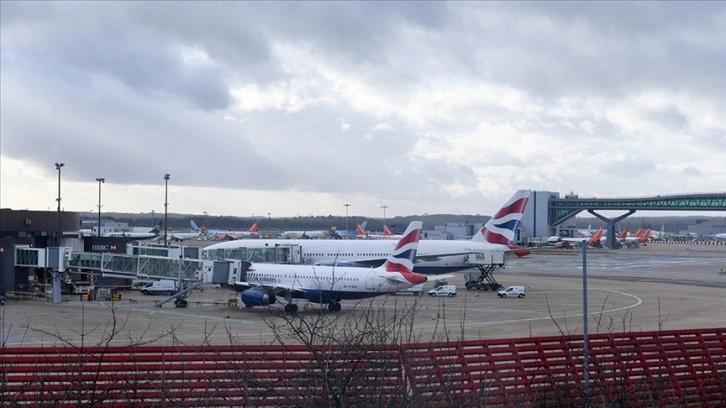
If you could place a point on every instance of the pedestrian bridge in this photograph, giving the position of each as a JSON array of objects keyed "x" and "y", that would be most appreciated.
[{"x": 562, "y": 209}]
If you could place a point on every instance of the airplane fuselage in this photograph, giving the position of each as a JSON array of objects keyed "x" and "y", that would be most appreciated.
[
  {"x": 136, "y": 235},
  {"x": 433, "y": 256},
  {"x": 321, "y": 284}
]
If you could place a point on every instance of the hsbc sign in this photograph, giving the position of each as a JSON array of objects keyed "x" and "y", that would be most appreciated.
[
  {"x": 115, "y": 245},
  {"x": 103, "y": 248}
]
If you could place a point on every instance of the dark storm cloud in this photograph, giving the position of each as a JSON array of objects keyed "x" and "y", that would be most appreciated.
[
  {"x": 555, "y": 48},
  {"x": 131, "y": 138},
  {"x": 97, "y": 40}
]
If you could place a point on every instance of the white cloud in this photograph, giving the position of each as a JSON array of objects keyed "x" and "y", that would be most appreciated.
[
  {"x": 382, "y": 127},
  {"x": 253, "y": 105}
]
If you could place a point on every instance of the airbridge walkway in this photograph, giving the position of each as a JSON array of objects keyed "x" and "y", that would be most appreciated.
[
  {"x": 562, "y": 209},
  {"x": 148, "y": 262},
  {"x": 109, "y": 264}
]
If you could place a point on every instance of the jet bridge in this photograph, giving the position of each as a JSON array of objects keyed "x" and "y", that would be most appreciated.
[
  {"x": 63, "y": 259},
  {"x": 281, "y": 254}
]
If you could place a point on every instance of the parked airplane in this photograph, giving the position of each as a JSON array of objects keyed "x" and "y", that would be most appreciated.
[
  {"x": 641, "y": 236},
  {"x": 433, "y": 256},
  {"x": 622, "y": 235},
  {"x": 336, "y": 233},
  {"x": 660, "y": 235},
  {"x": 153, "y": 233},
  {"x": 264, "y": 283},
  {"x": 594, "y": 241},
  {"x": 387, "y": 233},
  {"x": 720, "y": 236},
  {"x": 307, "y": 234},
  {"x": 360, "y": 230},
  {"x": 181, "y": 236},
  {"x": 226, "y": 235}
]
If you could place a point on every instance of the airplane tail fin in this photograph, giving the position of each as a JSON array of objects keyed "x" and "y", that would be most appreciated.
[
  {"x": 387, "y": 231},
  {"x": 360, "y": 229},
  {"x": 502, "y": 227},
  {"x": 403, "y": 255},
  {"x": 623, "y": 234},
  {"x": 253, "y": 228},
  {"x": 645, "y": 236},
  {"x": 364, "y": 224},
  {"x": 595, "y": 238},
  {"x": 156, "y": 229},
  {"x": 195, "y": 228}
]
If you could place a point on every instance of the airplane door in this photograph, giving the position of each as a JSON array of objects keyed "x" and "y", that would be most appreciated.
[{"x": 371, "y": 280}]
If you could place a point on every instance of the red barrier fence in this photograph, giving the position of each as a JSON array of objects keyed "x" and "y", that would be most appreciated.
[{"x": 668, "y": 368}]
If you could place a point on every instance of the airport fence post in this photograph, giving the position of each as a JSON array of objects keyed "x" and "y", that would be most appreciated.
[{"x": 585, "y": 336}]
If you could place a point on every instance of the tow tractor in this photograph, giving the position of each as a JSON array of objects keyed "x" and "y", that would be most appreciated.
[{"x": 486, "y": 262}]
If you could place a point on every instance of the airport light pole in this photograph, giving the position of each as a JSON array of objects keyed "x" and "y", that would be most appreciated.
[
  {"x": 58, "y": 232},
  {"x": 384, "y": 213},
  {"x": 585, "y": 328},
  {"x": 100, "y": 180},
  {"x": 346, "y": 215},
  {"x": 166, "y": 206},
  {"x": 269, "y": 221}
]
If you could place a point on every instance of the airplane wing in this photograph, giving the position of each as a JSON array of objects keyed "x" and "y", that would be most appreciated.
[
  {"x": 357, "y": 263},
  {"x": 439, "y": 277},
  {"x": 436, "y": 257},
  {"x": 277, "y": 287}
]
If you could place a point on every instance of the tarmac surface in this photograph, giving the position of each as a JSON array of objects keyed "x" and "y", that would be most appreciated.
[{"x": 660, "y": 286}]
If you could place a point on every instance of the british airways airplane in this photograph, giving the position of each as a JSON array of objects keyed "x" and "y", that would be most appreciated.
[
  {"x": 433, "y": 256},
  {"x": 264, "y": 283}
]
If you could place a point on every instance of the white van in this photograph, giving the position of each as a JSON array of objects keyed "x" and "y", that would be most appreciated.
[
  {"x": 413, "y": 290},
  {"x": 443, "y": 290},
  {"x": 160, "y": 287},
  {"x": 512, "y": 291}
]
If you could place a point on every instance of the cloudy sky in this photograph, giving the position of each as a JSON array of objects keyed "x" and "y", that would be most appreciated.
[{"x": 298, "y": 108}]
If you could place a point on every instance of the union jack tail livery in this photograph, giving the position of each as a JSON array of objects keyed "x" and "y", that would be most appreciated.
[
  {"x": 502, "y": 227},
  {"x": 403, "y": 255}
]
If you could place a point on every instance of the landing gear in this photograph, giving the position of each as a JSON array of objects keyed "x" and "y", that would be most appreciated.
[
  {"x": 334, "y": 306},
  {"x": 291, "y": 308}
]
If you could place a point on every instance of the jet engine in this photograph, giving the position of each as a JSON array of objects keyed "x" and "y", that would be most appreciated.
[{"x": 257, "y": 297}]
